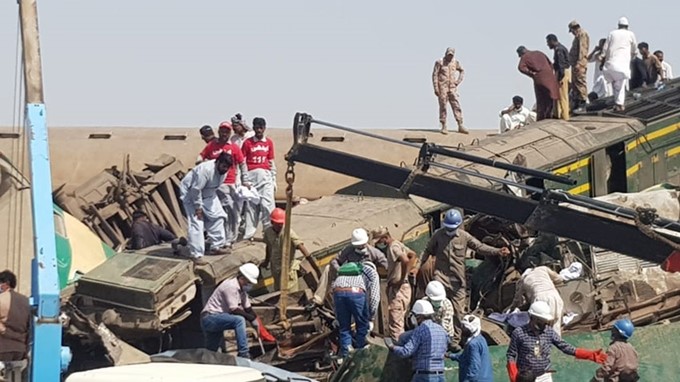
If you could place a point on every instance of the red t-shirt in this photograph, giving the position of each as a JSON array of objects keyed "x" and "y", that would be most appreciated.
[
  {"x": 213, "y": 149},
  {"x": 258, "y": 153}
]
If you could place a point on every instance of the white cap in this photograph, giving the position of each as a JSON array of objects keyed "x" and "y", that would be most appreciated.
[
  {"x": 623, "y": 21},
  {"x": 359, "y": 237},
  {"x": 541, "y": 309},
  {"x": 250, "y": 271},
  {"x": 422, "y": 308},
  {"x": 472, "y": 323},
  {"x": 435, "y": 291}
]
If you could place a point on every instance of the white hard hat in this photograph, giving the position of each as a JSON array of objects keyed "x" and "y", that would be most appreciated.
[
  {"x": 250, "y": 271},
  {"x": 623, "y": 21},
  {"x": 422, "y": 308},
  {"x": 541, "y": 309},
  {"x": 359, "y": 237},
  {"x": 435, "y": 291}
]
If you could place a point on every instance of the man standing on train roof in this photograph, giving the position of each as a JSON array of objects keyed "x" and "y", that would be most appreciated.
[
  {"x": 448, "y": 245},
  {"x": 616, "y": 55},
  {"x": 198, "y": 193},
  {"x": 537, "y": 66},
  {"x": 228, "y": 192},
  {"x": 358, "y": 250},
  {"x": 445, "y": 83},
  {"x": 259, "y": 153},
  {"x": 578, "y": 59},
  {"x": 563, "y": 74},
  {"x": 241, "y": 130}
]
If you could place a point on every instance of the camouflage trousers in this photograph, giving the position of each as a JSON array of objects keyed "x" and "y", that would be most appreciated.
[
  {"x": 579, "y": 83},
  {"x": 452, "y": 99}
]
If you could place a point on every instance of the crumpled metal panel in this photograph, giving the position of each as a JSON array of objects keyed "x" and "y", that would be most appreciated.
[{"x": 607, "y": 263}]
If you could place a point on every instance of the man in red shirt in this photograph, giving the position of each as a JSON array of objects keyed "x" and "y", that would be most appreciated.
[
  {"x": 259, "y": 154},
  {"x": 228, "y": 191}
]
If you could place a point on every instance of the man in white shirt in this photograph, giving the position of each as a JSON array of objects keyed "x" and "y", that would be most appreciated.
[
  {"x": 600, "y": 85},
  {"x": 667, "y": 69},
  {"x": 617, "y": 52},
  {"x": 516, "y": 115}
]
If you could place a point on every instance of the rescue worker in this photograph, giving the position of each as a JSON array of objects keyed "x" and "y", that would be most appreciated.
[
  {"x": 445, "y": 83},
  {"x": 356, "y": 294},
  {"x": 449, "y": 246},
  {"x": 622, "y": 359},
  {"x": 146, "y": 234},
  {"x": 516, "y": 115},
  {"x": 617, "y": 52},
  {"x": 526, "y": 376},
  {"x": 667, "y": 68},
  {"x": 228, "y": 308},
  {"x": 475, "y": 360},
  {"x": 207, "y": 135},
  {"x": 259, "y": 153},
  {"x": 273, "y": 239},
  {"x": 538, "y": 284},
  {"x": 426, "y": 345},
  {"x": 228, "y": 191},
  {"x": 537, "y": 66},
  {"x": 563, "y": 74},
  {"x": 578, "y": 59},
  {"x": 400, "y": 260},
  {"x": 198, "y": 192},
  {"x": 443, "y": 308},
  {"x": 15, "y": 319},
  {"x": 358, "y": 250},
  {"x": 530, "y": 346},
  {"x": 241, "y": 130},
  {"x": 600, "y": 85},
  {"x": 652, "y": 64}
]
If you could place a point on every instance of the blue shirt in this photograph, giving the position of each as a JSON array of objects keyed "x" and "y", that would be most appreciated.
[
  {"x": 426, "y": 346},
  {"x": 531, "y": 351},
  {"x": 474, "y": 361}
]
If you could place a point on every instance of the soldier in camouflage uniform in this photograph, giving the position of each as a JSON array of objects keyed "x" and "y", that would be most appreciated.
[
  {"x": 445, "y": 84},
  {"x": 578, "y": 59}
]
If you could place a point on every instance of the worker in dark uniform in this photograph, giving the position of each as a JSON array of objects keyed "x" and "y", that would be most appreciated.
[{"x": 146, "y": 234}]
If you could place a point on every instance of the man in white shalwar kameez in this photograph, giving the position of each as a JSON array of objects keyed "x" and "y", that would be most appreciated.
[
  {"x": 617, "y": 52},
  {"x": 600, "y": 85},
  {"x": 538, "y": 284},
  {"x": 516, "y": 115}
]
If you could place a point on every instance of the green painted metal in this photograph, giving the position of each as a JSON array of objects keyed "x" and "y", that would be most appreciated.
[{"x": 657, "y": 347}]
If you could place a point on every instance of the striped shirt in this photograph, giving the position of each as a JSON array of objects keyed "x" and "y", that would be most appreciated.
[
  {"x": 531, "y": 351},
  {"x": 426, "y": 346},
  {"x": 369, "y": 281}
]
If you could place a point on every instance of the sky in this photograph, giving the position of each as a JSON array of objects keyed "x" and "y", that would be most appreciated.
[{"x": 366, "y": 64}]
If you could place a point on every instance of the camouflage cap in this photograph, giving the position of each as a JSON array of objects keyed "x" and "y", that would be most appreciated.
[
  {"x": 573, "y": 25},
  {"x": 450, "y": 51}
]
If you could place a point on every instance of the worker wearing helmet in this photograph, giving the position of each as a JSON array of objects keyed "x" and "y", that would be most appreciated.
[
  {"x": 622, "y": 359},
  {"x": 475, "y": 360},
  {"x": 358, "y": 250},
  {"x": 273, "y": 239},
  {"x": 448, "y": 246},
  {"x": 530, "y": 346},
  {"x": 443, "y": 308},
  {"x": 538, "y": 284},
  {"x": 237, "y": 174},
  {"x": 400, "y": 260},
  {"x": 228, "y": 308},
  {"x": 426, "y": 345}
]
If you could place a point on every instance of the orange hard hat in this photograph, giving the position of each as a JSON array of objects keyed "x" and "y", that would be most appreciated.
[{"x": 278, "y": 216}]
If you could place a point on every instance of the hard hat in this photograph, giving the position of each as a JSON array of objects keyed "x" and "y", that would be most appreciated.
[
  {"x": 359, "y": 237},
  {"x": 541, "y": 309},
  {"x": 435, "y": 291},
  {"x": 278, "y": 216},
  {"x": 452, "y": 219},
  {"x": 623, "y": 21},
  {"x": 625, "y": 327},
  {"x": 250, "y": 271},
  {"x": 422, "y": 308},
  {"x": 225, "y": 125}
]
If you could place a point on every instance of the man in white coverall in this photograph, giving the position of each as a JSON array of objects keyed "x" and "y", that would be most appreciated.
[
  {"x": 538, "y": 284},
  {"x": 617, "y": 52},
  {"x": 259, "y": 154},
  {"x": 198, "y": 192}
]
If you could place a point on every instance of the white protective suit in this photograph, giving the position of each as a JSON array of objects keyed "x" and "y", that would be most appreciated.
[
  {"x": 618, "y": 50},
  {"x": 516, "y": 119},
  {"x": 198, "y": 189}
]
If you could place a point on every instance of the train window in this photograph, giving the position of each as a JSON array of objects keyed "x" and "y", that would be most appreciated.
[
  {"x": 9, "y": 135},
  {"x": 175, "y": 137},
  {"x": 99, "y": 136},
  {"x": 617, "y": 181},
  {"x": 332, "y": 138},
  {"x": 59, "y": 225},
  {"x": 415, "y": 139}
]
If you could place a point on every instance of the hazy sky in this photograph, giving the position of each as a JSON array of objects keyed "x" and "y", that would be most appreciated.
[{"x": 360, "y": 63}]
